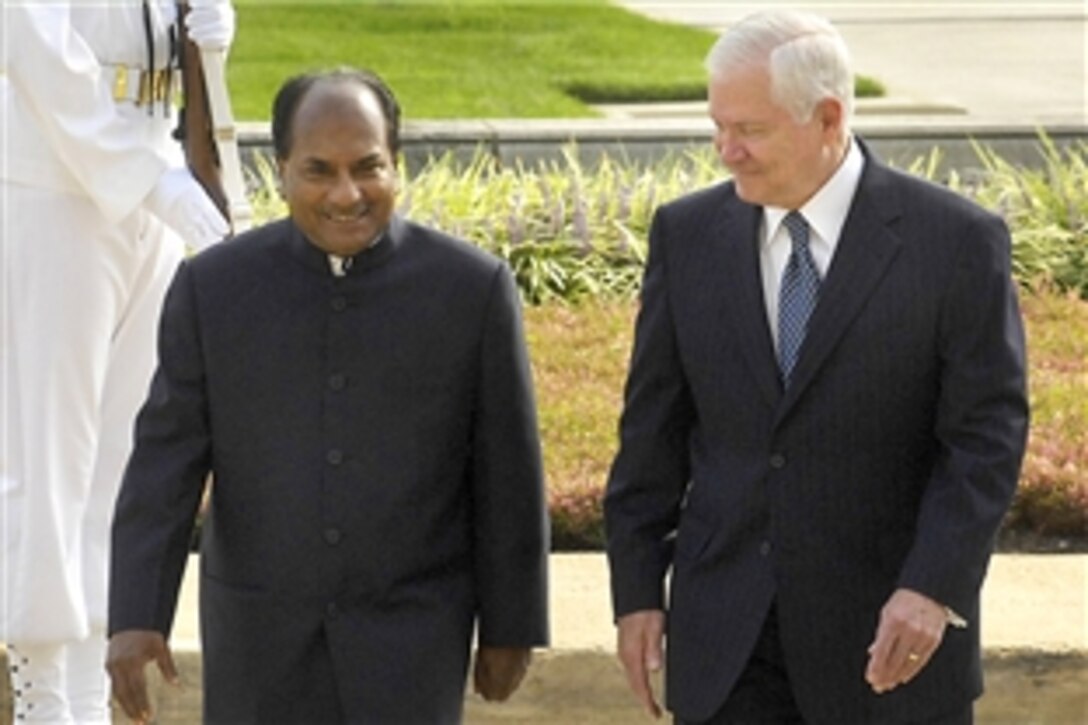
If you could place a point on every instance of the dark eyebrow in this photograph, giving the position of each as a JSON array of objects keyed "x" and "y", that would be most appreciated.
[{"x": 370, "y": 158}]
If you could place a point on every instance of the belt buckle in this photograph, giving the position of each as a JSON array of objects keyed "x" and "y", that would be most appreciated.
[
  {"x": 140, "y": 87},
  {"x": 144, "y": 96},
  {"x": 120, "y": 83}
]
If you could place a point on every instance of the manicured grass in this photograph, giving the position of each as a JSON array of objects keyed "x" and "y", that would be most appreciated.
[
  {"x": 465, "y": 59},
  {"x": 474, "y": 58}
]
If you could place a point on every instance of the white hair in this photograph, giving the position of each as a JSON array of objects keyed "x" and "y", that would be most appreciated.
[{"x": 806, "y": 57}]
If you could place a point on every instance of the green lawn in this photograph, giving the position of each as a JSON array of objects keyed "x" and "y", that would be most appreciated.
[{"x": 465, "y": 59}]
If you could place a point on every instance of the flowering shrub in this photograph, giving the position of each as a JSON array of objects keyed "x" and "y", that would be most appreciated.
[
  {"x": 577, "y": 518},
  {"x": 1053, "y": 496},
  {"x": 575, "y": 238},
  {"x": 579, "y": 359}
]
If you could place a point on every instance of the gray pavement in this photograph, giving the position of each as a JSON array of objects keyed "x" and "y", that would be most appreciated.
[
  {"x": 985, "y": 62},
  {"x": 1030, "y": 602},
  {"x": 1034, "y": 632}
]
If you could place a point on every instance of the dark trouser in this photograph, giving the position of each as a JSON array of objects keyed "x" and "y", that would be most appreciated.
[
  {"x": 309, "y": 695},
  {"x": 762, "y": 695}
]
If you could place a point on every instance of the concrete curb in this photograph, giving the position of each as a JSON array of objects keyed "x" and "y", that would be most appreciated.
[
  {"x": 894, "y": 137},
  {"x": 1035, "y": 632},
  {"x": 587, "y": 687},
  {"x": 1034, "y": 626},
  {"x": 1030, "y": 602}
]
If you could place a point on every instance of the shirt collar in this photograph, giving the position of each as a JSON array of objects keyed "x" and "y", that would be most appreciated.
[
  {"x": 826, "y": 211},
  {"x": 379, "y": 252},
  {"x": 340, "y": 266}
]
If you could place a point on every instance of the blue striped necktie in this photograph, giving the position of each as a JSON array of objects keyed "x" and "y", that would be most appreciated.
[{"x": 797, "y": 295}]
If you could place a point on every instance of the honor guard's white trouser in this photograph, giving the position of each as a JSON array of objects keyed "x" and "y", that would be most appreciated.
[
  {"x": 60, "y": 684},
  {"x": 83, "y": 271},
  {"x": 81, "y": 302}
]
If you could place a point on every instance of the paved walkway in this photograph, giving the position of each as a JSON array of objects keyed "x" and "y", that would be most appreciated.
[
  {"x": 1030, "y": 602},
  {"x": 1034, "y": 631},
  {"x": 985, "y": 62}
]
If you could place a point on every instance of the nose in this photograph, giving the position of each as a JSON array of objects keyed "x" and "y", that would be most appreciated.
[
  {"x": 344, "y": 191},
  {"x": 729, "y": 148}
]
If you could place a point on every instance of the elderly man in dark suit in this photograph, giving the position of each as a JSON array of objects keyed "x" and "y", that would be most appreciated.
[
  {"x": 824, "y": 419},
  {"x": 359, "y": 385}
]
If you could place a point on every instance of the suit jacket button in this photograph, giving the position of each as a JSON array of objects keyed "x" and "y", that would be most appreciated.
[
  {"x": 335, "y": 457},
  {"x": 765, "y": 548},
  {"x": 337, "y": 381},
  {"x": 778, "y": 461},
  {"x": 332, "y": 611},
  {"x": 332, "y": 536},
  {"x": 339, "y": 303}
]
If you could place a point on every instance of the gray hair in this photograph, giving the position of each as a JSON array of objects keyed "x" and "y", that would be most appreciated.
[{"x": 806, "y": 57}]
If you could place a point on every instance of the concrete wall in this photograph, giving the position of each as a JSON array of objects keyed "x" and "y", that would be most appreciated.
[{"x": 531, "y": 142}]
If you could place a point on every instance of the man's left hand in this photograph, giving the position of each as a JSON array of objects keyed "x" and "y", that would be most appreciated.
[
  {"x": 910, "y": 630},
  {"x": 499, "y": 671}
]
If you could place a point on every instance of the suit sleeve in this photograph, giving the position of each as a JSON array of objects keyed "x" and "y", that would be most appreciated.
[
  {"x": 164, "y": 479},
  {"x": 652, "y": 469},
  {"x": 981, "y": 425},
  {"x": 510, "y": 537}
]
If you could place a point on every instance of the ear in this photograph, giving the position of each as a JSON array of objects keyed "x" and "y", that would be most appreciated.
[
  {"x": 832, "y": 116},
  {"x": 281, "y": 175}
]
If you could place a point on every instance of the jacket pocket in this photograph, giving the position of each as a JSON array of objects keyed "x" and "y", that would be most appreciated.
[{"x": 693, "y": 536}]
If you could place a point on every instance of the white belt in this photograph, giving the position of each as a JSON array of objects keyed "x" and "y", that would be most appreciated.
[{"x": 139, "y": 85}]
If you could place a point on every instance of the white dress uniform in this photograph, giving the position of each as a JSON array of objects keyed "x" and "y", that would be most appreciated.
[{"x": 86, "y": 136}]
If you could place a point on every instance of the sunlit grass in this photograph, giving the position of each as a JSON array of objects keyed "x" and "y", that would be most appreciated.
[
  {"x": 474, "y": 58},
  {"x": 461, "y": 59}
]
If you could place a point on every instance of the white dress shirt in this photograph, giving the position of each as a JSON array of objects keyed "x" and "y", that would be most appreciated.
[{"x": 825, "y": 213}]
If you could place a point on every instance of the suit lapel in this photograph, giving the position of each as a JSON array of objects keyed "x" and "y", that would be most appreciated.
[
  {"x": 735, "y": 250},
  {"x": 866, "y": 248}
]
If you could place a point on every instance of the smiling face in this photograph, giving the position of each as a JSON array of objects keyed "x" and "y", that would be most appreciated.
[
  {"x": 339, "y": 178},
  {"x": 773, "y": 158}
]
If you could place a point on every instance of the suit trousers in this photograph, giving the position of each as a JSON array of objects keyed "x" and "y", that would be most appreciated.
[
  {"x": 308, "y": 694},
  {"x": 762, "y": 694}
]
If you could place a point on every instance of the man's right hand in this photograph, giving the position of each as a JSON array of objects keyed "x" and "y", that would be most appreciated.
[
  {"x": 639, "y": 637},
  {"x": 128, "y": 655}
]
